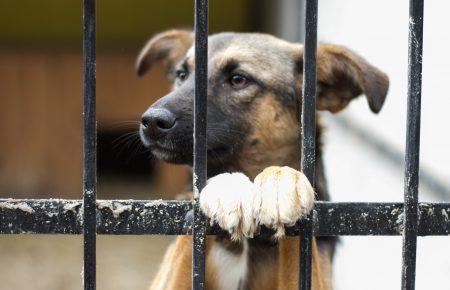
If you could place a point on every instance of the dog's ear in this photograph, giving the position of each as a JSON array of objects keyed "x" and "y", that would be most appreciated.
[
  {"x": 169, "y": 46},
  {"x": 343, "y": 75}
]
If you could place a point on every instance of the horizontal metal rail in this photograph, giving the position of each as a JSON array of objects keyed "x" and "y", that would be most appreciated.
[{"x": 157, "y": 217}]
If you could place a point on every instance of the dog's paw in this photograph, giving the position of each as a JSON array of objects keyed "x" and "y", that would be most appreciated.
[
  {"x": 227, "y": 200},
  {"x": 278, "y": 197},
  {"x": 283, "y": 196}
]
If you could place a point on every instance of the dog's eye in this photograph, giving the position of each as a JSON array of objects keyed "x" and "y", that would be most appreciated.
[
  {"x": 181, "y": 74},
  {"x": 238, "y": 81}
]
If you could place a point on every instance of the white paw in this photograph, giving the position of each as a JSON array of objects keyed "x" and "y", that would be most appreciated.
[
  {"x": 284, "y": 197},
  {"x": 279, "y": 196},
  {"x": 227, "y": 201}
]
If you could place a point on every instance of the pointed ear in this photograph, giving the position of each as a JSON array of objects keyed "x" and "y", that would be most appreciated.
[
  {"x": 169, "y": 46},
  {"x": 342, "y": 75}
]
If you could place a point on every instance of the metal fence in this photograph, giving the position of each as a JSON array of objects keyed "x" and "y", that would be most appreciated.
[{"x": 138, "y": 217}]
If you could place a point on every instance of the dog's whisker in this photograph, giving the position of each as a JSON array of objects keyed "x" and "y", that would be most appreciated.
[
  {"x": 124, "y": 145},
  {"x": 125, "y": 136},
  {"x": 137, "y": 147},
  {"x": 128, "y": 133},
  {"x": 126, "y": 141}
]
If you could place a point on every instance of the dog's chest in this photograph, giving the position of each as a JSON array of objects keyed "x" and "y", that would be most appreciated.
[{"x": 231, "y": 268}]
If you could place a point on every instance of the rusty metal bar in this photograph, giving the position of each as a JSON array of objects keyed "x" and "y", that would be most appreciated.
[
  {"x": 157, "y": 217},
  {"x": 200, "y": 162},
  {"x": 308, "y": 133},
  {"x": 411, "y": 186},
  {"x": 89, "y": 144}
]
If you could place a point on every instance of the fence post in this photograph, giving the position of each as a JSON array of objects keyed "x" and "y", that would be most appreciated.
[
  {"x": 89, "y": 145},
  {"x": 308, "y": 134},
  {"x": 411, "y": 185},
  {"x": 200, "y": 142}
]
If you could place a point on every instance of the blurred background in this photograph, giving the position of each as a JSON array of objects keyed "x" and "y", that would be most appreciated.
[{"x": 41, "y": 128}]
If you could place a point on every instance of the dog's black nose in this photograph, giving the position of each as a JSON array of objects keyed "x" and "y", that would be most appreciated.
[{"x": 157, "y": 122}]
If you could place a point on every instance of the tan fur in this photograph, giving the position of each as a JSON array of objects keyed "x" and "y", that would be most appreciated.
[
  {"x": 176, "y": 269},
  {"x": 161, "y": 47},
  {"x": 289, "y": 266},
  {"x": 342, "y": 75},
  {"x": 275, "y": 131}
]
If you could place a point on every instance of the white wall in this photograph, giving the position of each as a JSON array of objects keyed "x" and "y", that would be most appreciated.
[{"x": 378, "y": 30}]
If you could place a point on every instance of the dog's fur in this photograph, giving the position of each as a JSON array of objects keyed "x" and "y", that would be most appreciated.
[{"x": 254, "y": 129}]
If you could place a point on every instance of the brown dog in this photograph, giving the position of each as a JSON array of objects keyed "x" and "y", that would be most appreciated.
[{"x": 254, "y": 89}]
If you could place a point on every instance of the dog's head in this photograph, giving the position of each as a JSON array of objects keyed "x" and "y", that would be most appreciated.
[{"x": 254, "y": 89}]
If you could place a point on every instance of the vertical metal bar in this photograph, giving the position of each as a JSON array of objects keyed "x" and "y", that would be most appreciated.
[
  {"x": 89, "y": 145},
  {"x": 412, "y": 144},
  {"x": 200, "y": 105},
  {"x": 308, "y": 133}
]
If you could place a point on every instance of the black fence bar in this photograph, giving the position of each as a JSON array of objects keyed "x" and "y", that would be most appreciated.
[
  {"x": 89, "y": 145},
  {"x": 412, "y": 144},
  {"x": 200, "y": 150},
  {"x": 308, "y": 134},
  {"x": 157, "y": 217}
]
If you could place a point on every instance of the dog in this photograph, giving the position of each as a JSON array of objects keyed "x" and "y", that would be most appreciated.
[{"x": 253, "y": 149}]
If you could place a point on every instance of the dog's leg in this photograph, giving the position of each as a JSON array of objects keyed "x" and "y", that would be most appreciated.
[
  {"x": 175, "y": 272},
  {"x": 289, "y": 197},
  {"x": 288, "y": 266}
]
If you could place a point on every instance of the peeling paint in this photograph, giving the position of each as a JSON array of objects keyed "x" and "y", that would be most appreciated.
[
  {"x": 401, "y": 220},
  {"x": 72, "y": 207},
  {"x": 395, "y": 211},
  {"x": 195, "y": 190},
  {"x": 52, "y": 214},
  {"x": 22, "y": 206},
  {"x": 154, "y": 203},
  {"x": 105, "y": 204},
  {"x": 120, "y": 208},
  {"x": 117, "y": 208},
  {"x": 445, "y": 215}
]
